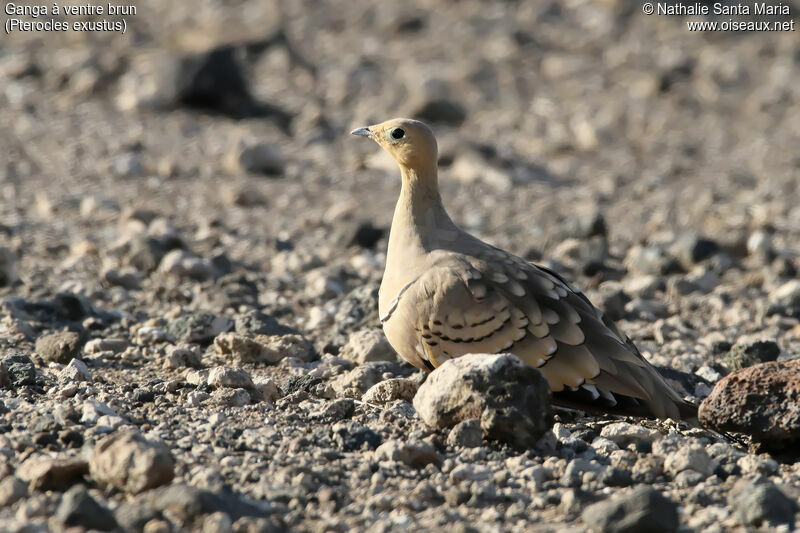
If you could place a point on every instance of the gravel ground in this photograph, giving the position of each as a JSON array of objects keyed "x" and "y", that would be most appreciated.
[{"x": 188, "y": 271}]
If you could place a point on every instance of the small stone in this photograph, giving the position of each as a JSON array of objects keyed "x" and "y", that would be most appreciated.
[
  {"x": 218, "y": 522},
  {"x": 128, "y": 461},
  {"x": 198, "y": 328},
  {"x": 467, "y": 434},
  {"x": 355, "y": 383},
  {"x": 151, "y": 335},
  {"x": 79, "y": 509},
  {"x": 241, "y": 348},
  {"x": 18, "y": 369},
  {"x": 75, "y": 371},
  {"x": 692, "y": 458},
  {"x": 368, "y": 345},
  {"x": 762, "y": 506},
  {"x": 267, "y": 389},
  {"x": 576, "y": 468},
  {"x": 93, "y": 410},
  {"x": 691, "y": 248},
  {"x": 12, "y": 489},
  {"x": 642, "y": 509},
  {"x": 435, "y": 103},
  {"x": 366, "y": 236},
  {"x": 645, "y": 286},
  {"x": 623, "y": 433},
  {"x": 183, "y": 355},
  {"x": 97, "y": 346},
  {"x": 470, "y": 472},
  {"x": 785, "y": 299},
  {"x": 415, "y": 455},
  {"x": 231, "y": 397},
  {"x": 585, "y": 224},
  {"x": 511, "y": 398},
  {"x": 127, "y": 166},
  {"x": 127, "y": 278},
  {"x": 235, "y": 378},
  {"x": 52, "y": 473},
  {"x": 275, "y": 348},
  {"x": 183, "y": 264},
  {"x": 760, "y": 243},
  {"x": 255, "y": 322},
  {"x": 261, "y": 158},
  {"x": 612, "y": 300},
  {"x": 751, "y": 353},
  {"x": 7, "y": 270},
  {"x": 337, "y": 409},
  {"x": 760, "y": 401},
  {"x": 59, "y": 347},
  {"x": 390, "y": 390},
  {"x": 650, "y": 260}
]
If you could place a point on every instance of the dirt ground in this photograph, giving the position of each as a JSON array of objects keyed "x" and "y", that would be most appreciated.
[{"x": 195, "y": 176}]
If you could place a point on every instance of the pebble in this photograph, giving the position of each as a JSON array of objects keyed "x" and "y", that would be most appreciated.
[
  {"x": 97, "y": 346},
  {"x": 649, "y": 260},
  {"x": 470, "y": 472},
  {"x": 128, "y": 461},
  {"x": 59, "y": 347},
  {"x": 623, "y": 433},
  {"x": 466, "y": 434},
  {"x": 183, "y": 264},
  {"x": 79, "y": 509},
  {"x": 52, "y": 473},
  {"x": 7, "y": 267},
  {"x": 762, "y": 506},
  {"x": 368, "y": 345},
  {"x": 747, "y": 354},
  {"x": 259, "y": 158},
  {"x": 693, "y": 458},
  {"x": 18, "y": 370},
  {"x": 93, "y": 410},
  {"x": 355, "y": 383},
  {"x": 642, "y": 509},
  {"x": 75, "y": 371},
  {"x": 391, "y": 390},
  {"x": 198, "y": 328},
  {"x": 413, "y": 454},
  {"x": 224, "y": 376},
  {"x": 12, "y": 489}
]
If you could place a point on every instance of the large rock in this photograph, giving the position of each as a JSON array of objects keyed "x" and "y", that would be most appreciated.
[
  {"x": 643, "y": 509},
  {"x": 762, "y": 400},
  {"x": 511, "y": 399},
  {"x": 130, "y": 462}
]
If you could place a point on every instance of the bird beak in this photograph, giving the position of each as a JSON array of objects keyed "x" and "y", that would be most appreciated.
[{"x": 362, "y": 132}]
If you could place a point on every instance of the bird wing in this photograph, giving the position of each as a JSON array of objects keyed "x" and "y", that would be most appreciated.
[{"x": 490, "y": 301}]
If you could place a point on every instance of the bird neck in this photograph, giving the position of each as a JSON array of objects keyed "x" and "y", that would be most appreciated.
[{"x": 420, "y": 221}]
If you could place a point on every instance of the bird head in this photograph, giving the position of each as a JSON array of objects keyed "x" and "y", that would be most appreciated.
[{"x": 410, "y": 142}]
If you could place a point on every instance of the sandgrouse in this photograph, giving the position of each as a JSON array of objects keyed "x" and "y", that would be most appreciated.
[{"x": 446, "y": 293}]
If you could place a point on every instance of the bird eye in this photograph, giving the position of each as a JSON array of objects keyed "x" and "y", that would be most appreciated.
[{"x": 398, "y": 133}]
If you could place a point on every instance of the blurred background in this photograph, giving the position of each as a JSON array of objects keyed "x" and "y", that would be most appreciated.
[{"x": 215, "y": 134}]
